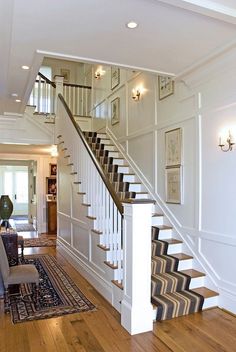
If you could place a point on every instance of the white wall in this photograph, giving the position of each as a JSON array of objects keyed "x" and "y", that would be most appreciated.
[{"x": 203, "y": 103}]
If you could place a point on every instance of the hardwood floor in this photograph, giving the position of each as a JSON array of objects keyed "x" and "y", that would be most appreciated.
[{"x": 100, "y": 331}]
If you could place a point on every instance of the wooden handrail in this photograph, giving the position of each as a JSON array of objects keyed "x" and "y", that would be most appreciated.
[
  {"x": 96, "y": 163},
  {"x": 76, "y": 85},
  {"x": 47, "y": 80}
]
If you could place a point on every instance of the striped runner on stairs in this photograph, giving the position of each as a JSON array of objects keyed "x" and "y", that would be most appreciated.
[
  {"x": 116, "y": 179},
  {"x": 170, "y": 288}
]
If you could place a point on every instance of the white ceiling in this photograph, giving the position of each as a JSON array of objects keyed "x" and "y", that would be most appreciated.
[{"x": 172, "y": 36}]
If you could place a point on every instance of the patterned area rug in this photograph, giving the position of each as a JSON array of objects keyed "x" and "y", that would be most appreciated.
[
  {"x": 24, "y": 227},
  {"x": 39, "y": 242},
  {"x": 58, "y": 294}
]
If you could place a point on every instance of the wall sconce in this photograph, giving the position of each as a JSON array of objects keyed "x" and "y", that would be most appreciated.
[
  {"x": 228, "y": 145},
  {"x": 97, "y": 75},
  {"x": 136, "y": 94}
]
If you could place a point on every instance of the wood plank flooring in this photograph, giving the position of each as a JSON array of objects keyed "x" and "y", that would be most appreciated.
[{"x": 100, "y": 331}]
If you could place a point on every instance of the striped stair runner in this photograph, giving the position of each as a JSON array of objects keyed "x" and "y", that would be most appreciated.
[
  {"x": 121, "y": 188},
  {"x": 170, "y": 288}
]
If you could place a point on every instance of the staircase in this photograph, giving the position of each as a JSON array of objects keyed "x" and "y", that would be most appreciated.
[{"x": 177, "y": 288}]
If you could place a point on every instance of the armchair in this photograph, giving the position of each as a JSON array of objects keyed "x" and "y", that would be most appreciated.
[{"x": 25, "y": 273}]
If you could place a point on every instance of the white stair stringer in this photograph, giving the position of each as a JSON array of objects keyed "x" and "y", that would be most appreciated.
[{"x": 111, "y": 273}]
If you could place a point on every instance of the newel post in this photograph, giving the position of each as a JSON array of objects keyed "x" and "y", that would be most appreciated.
[
  {"x": 136, "y": 308},
  {"x": 59, "y": 88}
]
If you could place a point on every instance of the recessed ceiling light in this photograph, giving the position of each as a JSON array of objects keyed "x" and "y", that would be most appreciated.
[
  {"x": 25, "y": 67},
  {"x": 18, "y": 101},
  {"x": 132, "y": 25},
  {"x": 14, "y": 95}
]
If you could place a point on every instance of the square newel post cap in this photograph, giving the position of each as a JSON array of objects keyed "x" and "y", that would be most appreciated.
[{"x": 59, "y": 79}]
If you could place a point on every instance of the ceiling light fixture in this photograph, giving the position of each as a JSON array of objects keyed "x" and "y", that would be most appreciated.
[
  {"x": 24, "y": 67},
  {"x": 18, "y": 101},
  {"x": 14, "y": 95},
  {"x": 132, "y": 25}
]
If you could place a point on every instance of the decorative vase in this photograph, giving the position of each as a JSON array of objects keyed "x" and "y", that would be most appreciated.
[{"x": 6, "y": 208}]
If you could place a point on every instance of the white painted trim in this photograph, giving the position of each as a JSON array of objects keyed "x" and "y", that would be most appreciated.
[
  {"x": 102, "y": 286},
  {"x": 101, "y": 62}
]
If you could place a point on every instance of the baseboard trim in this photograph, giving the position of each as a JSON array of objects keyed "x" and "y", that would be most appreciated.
[{"x": 101, "y": 285}]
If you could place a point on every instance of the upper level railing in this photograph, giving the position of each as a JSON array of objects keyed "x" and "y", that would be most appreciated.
[
  {"x": 77, "y": 97},
  {"x": 43, "y": 95}
]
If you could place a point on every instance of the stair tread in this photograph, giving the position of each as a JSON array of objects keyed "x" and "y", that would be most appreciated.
[
  {"x": 91, "y": 217},
  {"x": 111, "y": 265},
  {"x": 97, "y": 231},
  {"x": 172, "y": 241},
  {"x": 181, "y": 256},
  {"x": 104, "y": 248},
  {"x": 192, "y": 273},
  {"x": 205, "y": 292},
  {"x": 164, "y": 227},
  {"x": 118, "y": 284},
  {"x": 157, "y": 215}
]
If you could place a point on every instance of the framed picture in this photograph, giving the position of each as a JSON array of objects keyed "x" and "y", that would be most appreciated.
[
  {"x": 53, "y": 169},
  {"x": 115, "y": 77},
  {"x": 115, "y": 111},
  {"x": 173, "y": 183},
  {"x": 50, "y": 197},
  {"x": 173, "y": 147},
  {"x": 66, "y": 74},
  {"x": 166, "y": 86},
  {"x": 51, "y": 185}
]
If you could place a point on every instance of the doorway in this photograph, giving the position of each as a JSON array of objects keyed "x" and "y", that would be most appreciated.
[
  {"x": 15, "y": 184},
  {"x": 18, "y": 180}
]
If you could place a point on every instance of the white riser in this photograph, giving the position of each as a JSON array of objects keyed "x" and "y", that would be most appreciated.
[
  {"x": 174, "y": 248},
  {"x": 185, "y": 264},
  {"x": 119, "y": 161},
  {"x": 129, "y": 178},
  {"x": 157, "y": 220},
  {"x": 106, "y": 141},
  {"x": 135, "y": 188},
  {"x": 210, "y": 302},
  {"x": 154, "y": 312},
  {"x": 114, "y": 154},
  {"x": 197, "y": 282},
  {"x": 110, "y": 147},
  {"x": 111, "y": 274},
  {"x": 142, "y": 196},
  {"x": 101, "y": 135},
  {"x": 165, "y": 234},
  {"x": 124, "y": 169}
]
